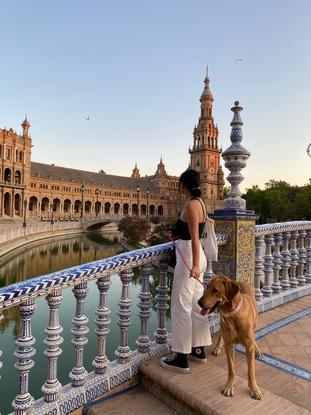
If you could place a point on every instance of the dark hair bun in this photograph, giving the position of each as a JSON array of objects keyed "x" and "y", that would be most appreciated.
[
  {"x": 191, "y": 180},
  {"x": 196, "y": 192}
]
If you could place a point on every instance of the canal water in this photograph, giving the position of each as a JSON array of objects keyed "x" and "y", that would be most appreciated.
[{"x": 44, "y": 257}]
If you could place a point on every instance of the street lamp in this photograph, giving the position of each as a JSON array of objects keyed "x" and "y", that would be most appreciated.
[
  {"x": 52, "y": 209},
  {"x": 138, "y": 190},
  {"x": 82, "y": 190},
  {"x": 25, "y": 207},
  {"x": 147, "y": 204},
  {"x": 97, "y": 193}
]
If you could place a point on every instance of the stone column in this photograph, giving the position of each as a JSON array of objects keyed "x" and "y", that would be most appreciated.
[
  {"x": 143, "y": 342},
  {"x": 53, "y": 340},
  {"x": 25, "y": 352},
  {"x": 123, "y": 352},
  {"x": 162, "y": 304},
  {"x": 79, "y": 331},
  {"x": 102, "y": 322},
  {"x": 237, "y": 258}
]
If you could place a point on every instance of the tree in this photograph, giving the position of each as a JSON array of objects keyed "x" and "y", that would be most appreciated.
[
  {"x": 280, "y": 201},
  {"x": 134, "y": 228},
  {"x": 159, "y": 235}
]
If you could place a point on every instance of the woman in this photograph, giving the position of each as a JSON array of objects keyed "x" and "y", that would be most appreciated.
[{"x": 190, "y": 330}]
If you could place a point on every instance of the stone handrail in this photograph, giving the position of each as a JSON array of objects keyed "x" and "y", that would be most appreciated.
[
  {"x": 283, "y": 257},
  {"x": 85, "y": 386},
  {"x": 271, "y": 228}
]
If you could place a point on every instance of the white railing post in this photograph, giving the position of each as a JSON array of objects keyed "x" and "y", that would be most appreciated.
[
  {"x": 102, "y": 322},
  {"x": 143, "y": 342},
  {"x": 123, "y": 351},
  {"x": 259, "y": 273},
  {"x": 268, "y": 268},
  {"x": 302, "y": 258},
  {"x": 79, "y": 330},
  {"x": 53, "y": 340},
  {"x": 276, "y": 286},
  {"x": 162, "y": 299},
  {"x": 23, "y": 402},
  {"x": 285, "y": 261},
  {"x": 308, "y": 261},
  {"x": 293, "y": 259},
  {"x": 209, "y": 273}
]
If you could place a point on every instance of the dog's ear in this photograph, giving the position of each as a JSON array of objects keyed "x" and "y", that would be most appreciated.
[{"x": 232, "y": 288}]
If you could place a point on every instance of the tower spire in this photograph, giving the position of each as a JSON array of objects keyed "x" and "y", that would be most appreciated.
[{"x": 26, "y": 126}]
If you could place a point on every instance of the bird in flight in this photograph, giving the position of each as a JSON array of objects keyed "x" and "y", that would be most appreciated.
[
  {"x": 238, "y": 60},
  {"x": 309, "y": 150},
  {"x": 87, "y": 118}
]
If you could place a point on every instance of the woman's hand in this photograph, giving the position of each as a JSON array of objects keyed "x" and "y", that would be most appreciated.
[
  {"x": 170, "y": 236},
  {"x": 195, "y": 272}
]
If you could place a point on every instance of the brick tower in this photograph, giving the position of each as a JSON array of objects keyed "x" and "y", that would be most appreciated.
[{"x": 205, "y": 153}]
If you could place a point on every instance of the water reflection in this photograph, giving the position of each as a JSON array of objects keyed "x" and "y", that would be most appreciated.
[{"x": 43, "y": 257}]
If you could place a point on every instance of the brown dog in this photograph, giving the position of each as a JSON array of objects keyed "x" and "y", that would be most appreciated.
[{"x": 237, "y": 307}]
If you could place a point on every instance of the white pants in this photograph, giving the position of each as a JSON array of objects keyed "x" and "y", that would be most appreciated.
[{"x": 189, "y": 327}]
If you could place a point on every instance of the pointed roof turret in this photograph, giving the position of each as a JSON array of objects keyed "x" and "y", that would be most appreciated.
[
  {"x": 135, "y": 173},
  {"x": 161, "y": 169},
  {"x": 26, "y": 126},
  {"x": 206, "y": 94}
]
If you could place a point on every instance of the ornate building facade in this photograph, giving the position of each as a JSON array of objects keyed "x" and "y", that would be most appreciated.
[{"x": 41, "y": 191}]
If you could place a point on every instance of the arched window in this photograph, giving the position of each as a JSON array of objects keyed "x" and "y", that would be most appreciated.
[
  {"x": 116, "y": 208},
  {"x": 8, "y": 175},
  {"x": 107, "y": 208},
  {"x": 160, "y": 210}
]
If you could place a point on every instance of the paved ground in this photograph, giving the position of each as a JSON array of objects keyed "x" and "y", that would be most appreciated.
[
  {"x": 283, "y": 374},
  {"x": 136, "y": 402}
]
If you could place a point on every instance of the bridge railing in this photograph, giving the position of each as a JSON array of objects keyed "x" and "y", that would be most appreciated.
[
  {"x": 85, "y": 386},
  {"x": 283, "y": 257},
  {"x": 9, "y": 234}
]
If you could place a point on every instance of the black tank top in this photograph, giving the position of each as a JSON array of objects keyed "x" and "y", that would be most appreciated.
[{"x": 181, "y": 229}]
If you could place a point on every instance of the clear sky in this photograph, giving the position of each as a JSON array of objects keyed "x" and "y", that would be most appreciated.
[{"x": 136, "y": 68}]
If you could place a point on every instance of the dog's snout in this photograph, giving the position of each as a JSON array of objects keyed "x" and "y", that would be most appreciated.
[{"x": 200, "y": 302}]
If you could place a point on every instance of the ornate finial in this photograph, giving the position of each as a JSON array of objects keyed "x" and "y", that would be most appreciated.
[
  {"x": 235, "y": 158},
  {"x": 206, "y": 70}
]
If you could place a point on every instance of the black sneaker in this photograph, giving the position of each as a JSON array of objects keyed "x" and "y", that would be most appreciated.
[
  {"x": 178, "y": 362},
  {"x": 198, "y": 355}
]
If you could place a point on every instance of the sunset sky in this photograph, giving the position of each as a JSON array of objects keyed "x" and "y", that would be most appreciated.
[{"x": 136, "y": 68}]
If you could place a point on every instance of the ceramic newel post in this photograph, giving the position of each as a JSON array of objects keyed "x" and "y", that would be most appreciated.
[
  {"x": 235, "y": 157},
  {"x": 237, "y": 259}
]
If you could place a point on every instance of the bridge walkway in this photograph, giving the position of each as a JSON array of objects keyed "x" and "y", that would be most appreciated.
[{"x": 283, "y": 374}]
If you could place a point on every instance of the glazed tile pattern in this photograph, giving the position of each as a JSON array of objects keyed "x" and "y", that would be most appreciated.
[
  {"x": 237, "y": 257},
  {"x": 245, "y": 251}
]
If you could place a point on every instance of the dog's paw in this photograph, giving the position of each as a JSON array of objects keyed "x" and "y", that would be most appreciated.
[
  {"x": 216, "y": 351},
  {"x": 228, "y": 390},
  {"x": 256, "y": 393},
  {"x": 258, "y": 353}
]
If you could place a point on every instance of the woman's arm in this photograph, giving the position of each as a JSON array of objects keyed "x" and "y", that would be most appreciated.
[{"x": 192, "y": 217}]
